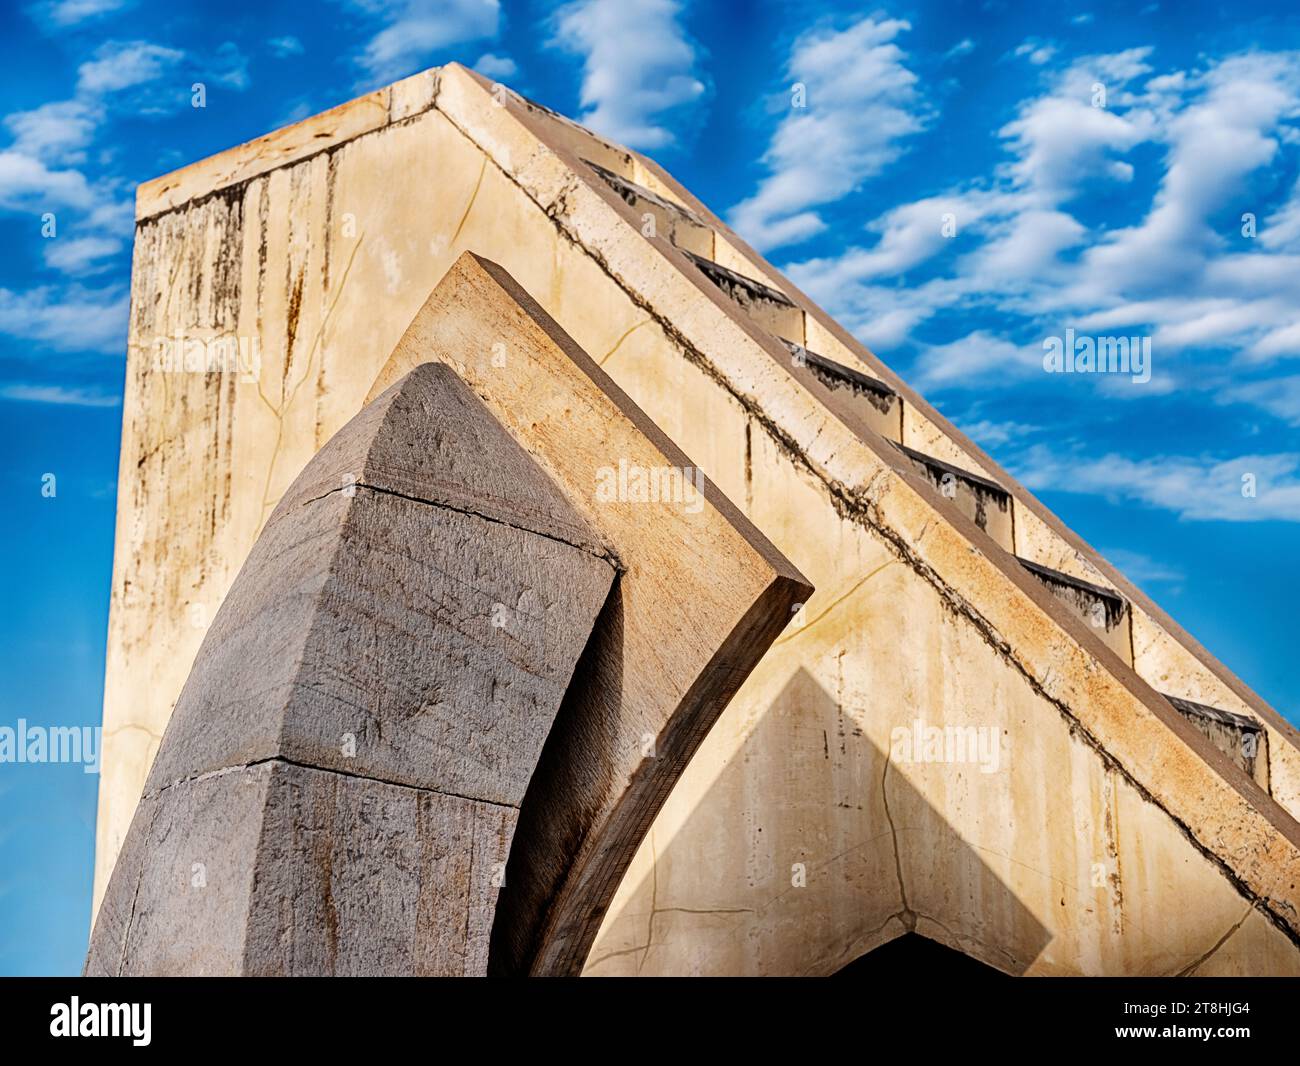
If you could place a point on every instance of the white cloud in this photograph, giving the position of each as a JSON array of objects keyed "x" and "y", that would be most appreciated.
[
  {"x": 61, "y": 129},
  {"x": 862, "y": 104},
  {"x": 1177, "y": 274},
  {"x": 61, "y": 14},
  {"x": 121, "y": 65},
  {"x": 1037, "y": 52},
  {"x": 415, "y": 30},
  {"x": 988, "y": 433},
  {"x": 228, "y": 67},
  {"x": 1026, "y": 245},
  {"x": 978, "y": 355},
  {"x": 495, "y": 66},
  {"x": 114, "y": 213},
  {"x": 28, "y": 184},
  {"x": 884, "y": 315},
  {"x": 39, "y": 169},
  {"x": 963, "y": 47},
  {"x": 282, "y": 47},
  {"x": 638, "y": 66},
  {"x": 72, "y": 319},
  {"x": 80, "y": 255},
  {"x": 1203, "y": 489},
  {"x": 1280, "y": 231},
  {"x": 1063, "y": 144},
  {"x": 909, "y": 235},
  {"x": 1279, "y": 397},
  {"x": 57, "y": 394}
]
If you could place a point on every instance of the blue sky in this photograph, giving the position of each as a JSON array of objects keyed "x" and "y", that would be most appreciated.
[{"x": 1127, "y": 218}]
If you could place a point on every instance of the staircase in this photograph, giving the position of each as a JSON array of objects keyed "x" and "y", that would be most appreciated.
[{"x": 982, "y": 499}]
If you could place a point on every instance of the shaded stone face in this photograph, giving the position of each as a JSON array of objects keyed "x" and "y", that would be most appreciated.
[
  {"x": 1238, "y": 737},
  {"x": 338, "y": 786},
  {"x": 1101, "y": 609},
  {"x": 448, "y": 610}
]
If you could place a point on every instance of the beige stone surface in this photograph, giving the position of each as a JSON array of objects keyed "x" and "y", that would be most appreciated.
[{"x": 1111, "y": 837}]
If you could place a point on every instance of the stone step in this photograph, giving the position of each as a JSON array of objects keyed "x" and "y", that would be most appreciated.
[
  {"x": 678, "y": 224},
  {"x": 984, "y": 502},
  {"x": 1240, "y": 738},
  {"x": 879, "y": 404},
  {"x": 1103, "y": 609},
  {"x": 772, "y": 310}
]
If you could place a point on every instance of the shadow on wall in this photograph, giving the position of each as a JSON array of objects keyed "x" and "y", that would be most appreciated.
[
  {"x": 775, "y": 887},
  {"x": 585, "y": 733}
]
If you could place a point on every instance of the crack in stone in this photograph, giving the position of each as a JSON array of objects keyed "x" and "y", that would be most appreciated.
[
  {"x": 135, "y": 898},
  {"x": 1188, "y": 970},
  {"x": 286, "y": 403},
  {"x": 603, "y": 554},
  {"x": 908, "y": 916},
  {"x": 619, "y": 343},
  {"x": 132, "y": 725},
  {"x": 654, "y": 900},
  {"x": 285, "y": 761},
  {"x": 472, "y": 199},
  {"x": 791, "y": 634}
]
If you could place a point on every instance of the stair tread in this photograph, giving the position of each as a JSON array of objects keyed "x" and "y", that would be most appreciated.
[
  {"x": 830, "y": 366},
  {"x": 1069, "y": 579},
  {"x": 623, "y": 187},
  {"x": 1218, "y": 714},
  {"x": 956, "y": 471},
  {"x": 756, "y": 288}
]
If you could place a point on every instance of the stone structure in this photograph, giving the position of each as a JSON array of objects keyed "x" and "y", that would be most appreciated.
[
  {"x": 379, "y": 692},
  {"x": 976, "y": 729}
]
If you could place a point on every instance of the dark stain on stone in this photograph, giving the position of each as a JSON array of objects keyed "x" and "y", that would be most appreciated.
[
  {"x": 331, "y": 177},
  {"x": 263, "y": 219},
  {"x": 632, "y": 194},
  {"x": 229, "y": 224},
  {"x": 291, "y": 317}
]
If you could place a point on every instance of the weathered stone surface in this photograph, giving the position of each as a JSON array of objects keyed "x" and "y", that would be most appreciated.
[
  {"x": 284, "y": 870},
  {"x": 984, "y": 502},
  {"x": 1240, "y": 737},
  {"x": 1102, "y": 610},
  {"x": 413, "y": 638},
  {"x": 429, "y": 441}
]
